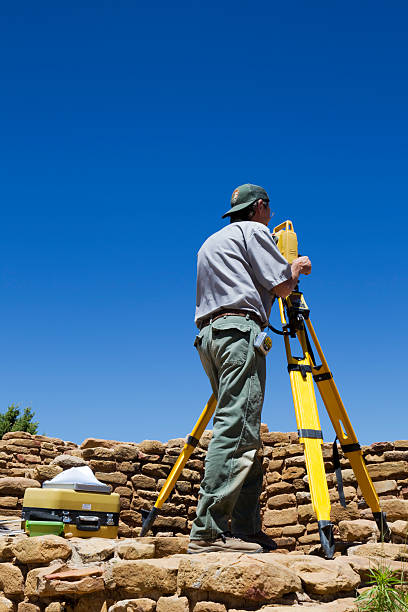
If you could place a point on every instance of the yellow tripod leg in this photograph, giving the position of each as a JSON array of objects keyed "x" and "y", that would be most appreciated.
[
  {"x": 310, "y": 435},
  {"x": 191, "y": 443},
  {"x": 345, "y": 433}
]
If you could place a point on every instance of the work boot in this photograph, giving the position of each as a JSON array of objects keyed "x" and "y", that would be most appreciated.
[
  {"x": 258, "y": 538},
  {"x": 224, "y": 543}
]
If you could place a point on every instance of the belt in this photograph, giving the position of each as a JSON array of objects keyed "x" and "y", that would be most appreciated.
[{"x": 231, "y": 313}]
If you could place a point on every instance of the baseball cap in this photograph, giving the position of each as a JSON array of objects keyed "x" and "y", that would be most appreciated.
[{"x": 244, "y": 195}]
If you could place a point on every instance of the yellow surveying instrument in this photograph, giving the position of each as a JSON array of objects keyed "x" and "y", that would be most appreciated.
[{"x": 303, "y": 370}]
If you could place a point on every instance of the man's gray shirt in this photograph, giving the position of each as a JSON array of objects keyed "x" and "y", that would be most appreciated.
[{"x": 237, "y": 268}]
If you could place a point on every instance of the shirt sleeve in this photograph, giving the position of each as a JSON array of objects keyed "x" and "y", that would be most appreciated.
[{"x": 269, "y": 265}]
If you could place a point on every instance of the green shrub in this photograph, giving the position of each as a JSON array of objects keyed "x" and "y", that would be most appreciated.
[
  {"x": 385, "y": 594},
  {"x": 11, "y": 420}
]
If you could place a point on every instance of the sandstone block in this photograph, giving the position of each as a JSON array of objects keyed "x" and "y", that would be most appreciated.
[
  {"x": 128, "y": 467},
  {"x": 41, "y": 549},
  {"x": 400, "y": 530},
  {"x": 155, "y": 470},
  {"x": 396, "y": 509},
  {"x": 6, "y": 605},
  {"x": 275, "y": 464},
  {"x": 282, "y": 501},
  {"x": 135, "y": 549},
  {"x": 146, "y": 578},
  {"x": 140, "y": 481},
  {"x": 278, "y": 488},
  {"x": 124, "y": 503},
  {"x": 303, "y": 497},
  {"x": 23, "y": 458},
  {"x": 11, "y": 580},
  {"x": 55, "y": 606},
  {"x": 27, "y": 444},
  {"x": 98, "y": 453},
  {"x": 294, "y": 531},
  {"x": 290, "y": 450},
  {"x": 165, "y": 547},
  {"x": 91, "y": 550},
  {"x": 16, "y": 485},
  {"x": 252, "y": 578},
  {"x": 374, "y": 458},
  {"x": 24, "y": 606},
  {"x": 338, "y": 513},
  {"x": 309, "y": 538},
  {"x": 152, "y": 447},
  {"x": 273, "y": 477},
  {"x": 131, "y": 517},
  {"x": 401, "y": 444},
  {"x": 102, "y": 466},
  {"x": 22, "y": 435},
  {"x": 183, "y": 486},
  {"x": 396, "y": 455},
  {"x": 322, "y": 577},
  {"x": 295, "y": 461},
  {"x": 209, "y": 606},
  {"x": 358, "y": 531},
  {"x": 273, "y": 518},
  {"x": 381, "y": 447},
  {"x": 275, "y": 437},
  {"x": 172, "y": 604},
  {"x": 349, "y": 494},
  {"x": 293, "y": 472},
  {"x": 46, "y": 472},
  {"x": 171, "y": 522},
  {"x": 8, "y": 502},
  {"x": 126, "y": 452},
  {"x": 6, "y": 553},
  {"x": 273, "y": 532},
  {"x": 14, "y": 447},
  {"x": 111, "y": 477},
  {"x": 380, "y": 551},
  {"x": 383, "y": 487},
  {"x": 364, "y": 565},
  {"x": 95, "y": 442},
  {"x": 383, "y": 471},
  {"x": 134, "y": 605},
  {"x": 191, "y": 475},
  {"x": 77, "y": 588},
  {"x": 305, "y": 513},
  {"x": 124, "y": 491}
]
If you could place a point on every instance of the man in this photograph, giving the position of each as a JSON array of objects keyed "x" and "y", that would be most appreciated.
[{"x": 239, "y": 272}]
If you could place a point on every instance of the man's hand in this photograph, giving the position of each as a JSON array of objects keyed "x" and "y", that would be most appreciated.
[{"x": 301, "y": 265}]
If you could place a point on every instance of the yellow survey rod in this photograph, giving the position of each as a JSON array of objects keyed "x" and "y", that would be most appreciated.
[
  {"x": 342, "y": 425},
  {"x": 190, "y": 445}
]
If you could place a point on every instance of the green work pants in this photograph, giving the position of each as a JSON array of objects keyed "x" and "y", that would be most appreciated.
[{"x": 232, "y": 481}]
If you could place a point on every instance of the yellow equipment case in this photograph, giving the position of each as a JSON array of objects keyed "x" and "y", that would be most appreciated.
[{"x": 85, "y": 513}]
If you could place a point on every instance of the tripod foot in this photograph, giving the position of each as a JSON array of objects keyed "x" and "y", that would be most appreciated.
[
  {"x": 380, "y": 519},
  {"x": 148, "y": 519},
  {"x": 326, "y": 538}
]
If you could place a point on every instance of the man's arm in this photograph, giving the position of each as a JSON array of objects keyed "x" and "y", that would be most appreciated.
[{"x": 301, "y": 265}]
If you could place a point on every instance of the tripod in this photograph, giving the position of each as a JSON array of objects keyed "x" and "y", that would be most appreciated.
[{"x": 303, "y": 372}]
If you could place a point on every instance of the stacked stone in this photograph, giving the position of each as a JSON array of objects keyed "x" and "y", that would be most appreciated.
[
  {"x": 287, "y": 510},
  {"x": 26, "y": 461},
  {"x": 137, "y": 471},
  {"x": 52, "y": 574}
]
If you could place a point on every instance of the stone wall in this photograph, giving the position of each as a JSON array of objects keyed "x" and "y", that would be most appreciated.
[
  {"x": 137, "y": 471},
  {"x": 53, "y": 574}
]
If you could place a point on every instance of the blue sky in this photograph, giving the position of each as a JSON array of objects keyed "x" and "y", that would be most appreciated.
[{"x": 125, "y": 129}]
